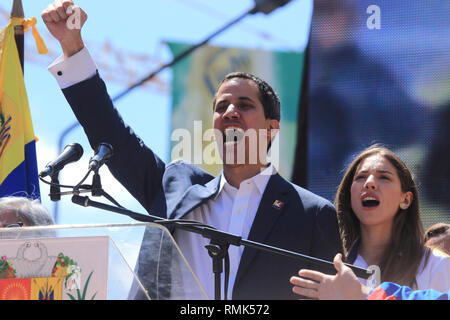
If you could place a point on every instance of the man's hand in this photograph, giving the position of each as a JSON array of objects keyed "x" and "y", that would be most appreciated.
[
  {"x": 64, "y": 20},
  {"x": 342, "y": 286}
]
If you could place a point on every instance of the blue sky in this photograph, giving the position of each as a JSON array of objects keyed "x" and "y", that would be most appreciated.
[{"x": 134, "y": 28}]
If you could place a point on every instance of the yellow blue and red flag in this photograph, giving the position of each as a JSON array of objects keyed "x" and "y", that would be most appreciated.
[
  {"x": 18, "y": 163},
  {"x": 393, "y": 291}
]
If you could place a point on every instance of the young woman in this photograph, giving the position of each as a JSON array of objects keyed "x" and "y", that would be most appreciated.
[{"x": 378, "y": 212}]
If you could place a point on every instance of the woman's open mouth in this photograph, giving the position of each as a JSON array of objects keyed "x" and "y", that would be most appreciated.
[{"x": 369, "y": 201}]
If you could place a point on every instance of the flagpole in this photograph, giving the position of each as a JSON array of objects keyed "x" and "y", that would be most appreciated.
[{"x": 17, "y": 12}]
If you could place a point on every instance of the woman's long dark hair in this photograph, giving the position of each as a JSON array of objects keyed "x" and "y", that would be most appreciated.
[{"x": 401, "y": 259}]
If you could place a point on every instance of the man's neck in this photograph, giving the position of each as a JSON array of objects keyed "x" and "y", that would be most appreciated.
[{"x": 235, "y": 174}]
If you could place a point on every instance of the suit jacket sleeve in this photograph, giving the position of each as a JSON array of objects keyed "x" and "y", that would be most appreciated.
[
  {"x": 326, "y": 240},
  {"x": 133, "y": 164}
]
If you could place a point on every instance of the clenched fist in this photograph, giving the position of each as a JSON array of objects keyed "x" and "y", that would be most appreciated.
[{"x": 64, "y": 20}]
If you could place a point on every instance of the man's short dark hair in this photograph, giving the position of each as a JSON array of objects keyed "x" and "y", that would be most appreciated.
[{"x": 268, "y": 97}]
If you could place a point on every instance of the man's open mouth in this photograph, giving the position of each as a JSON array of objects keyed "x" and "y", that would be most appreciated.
[{"x": 233, "y": 135}]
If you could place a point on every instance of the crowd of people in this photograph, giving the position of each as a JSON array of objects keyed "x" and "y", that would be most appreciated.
[{"x": 374, "y": 221}]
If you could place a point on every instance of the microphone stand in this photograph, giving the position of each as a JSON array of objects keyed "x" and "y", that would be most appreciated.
[
  {"x": 97, "y": 190},
  {"x": 220, "y": 241},
  {"x": 55, "y": 191}
]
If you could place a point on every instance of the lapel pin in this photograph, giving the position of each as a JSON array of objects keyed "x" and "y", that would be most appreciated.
[{"x": 277, "y": 204}]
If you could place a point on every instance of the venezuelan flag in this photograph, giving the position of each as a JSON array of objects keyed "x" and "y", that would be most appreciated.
[
  {"x": 18, "y": 163},
  {"x": 393, "y": 291}
]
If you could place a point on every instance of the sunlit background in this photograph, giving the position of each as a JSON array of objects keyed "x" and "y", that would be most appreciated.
[
  {"x": 128, "y": 41},
  {"x": 389, "y": 85}
]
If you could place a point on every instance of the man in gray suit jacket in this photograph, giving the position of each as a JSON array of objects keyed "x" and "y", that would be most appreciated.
[{"x": 249, "y": 198}]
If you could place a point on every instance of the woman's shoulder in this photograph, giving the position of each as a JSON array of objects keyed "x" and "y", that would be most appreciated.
[
  {"x": 435, "y": 258},
  {"x": 434, "y": 272},
  {"x": 438, "y": 255}
]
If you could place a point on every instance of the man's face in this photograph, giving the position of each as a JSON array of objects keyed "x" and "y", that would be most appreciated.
[{"x": 240, "y": 122}]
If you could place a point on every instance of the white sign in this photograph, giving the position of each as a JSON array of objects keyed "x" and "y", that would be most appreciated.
[{"x": 54, "y": 269}]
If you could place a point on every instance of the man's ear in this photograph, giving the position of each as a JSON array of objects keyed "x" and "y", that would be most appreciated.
[{"x": 273, "y": 126}]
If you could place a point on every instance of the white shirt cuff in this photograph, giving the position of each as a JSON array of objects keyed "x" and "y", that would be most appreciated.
[{"x": 72, "y": 70}]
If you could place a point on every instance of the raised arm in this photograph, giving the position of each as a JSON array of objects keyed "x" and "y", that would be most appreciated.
[
  {"x": 133, "y": 164},
  {"x": 64, "y": 21}
]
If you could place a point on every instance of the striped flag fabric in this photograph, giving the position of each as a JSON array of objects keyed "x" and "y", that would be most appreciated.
[
  {"x": 18, "y": 163},
  {"x": 392, "y": 291}
]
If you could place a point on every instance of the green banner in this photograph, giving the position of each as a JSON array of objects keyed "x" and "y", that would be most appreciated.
[{"x": 196, "y": 78}]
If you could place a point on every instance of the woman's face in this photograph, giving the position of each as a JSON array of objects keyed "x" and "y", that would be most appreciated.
[{"x": 376, "y": 193}]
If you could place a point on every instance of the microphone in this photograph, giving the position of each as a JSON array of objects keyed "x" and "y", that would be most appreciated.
[
  {"x": 71, "y": 153},
  {"x": 104, "y": 152},
  {"x": 267, "y": 6}
]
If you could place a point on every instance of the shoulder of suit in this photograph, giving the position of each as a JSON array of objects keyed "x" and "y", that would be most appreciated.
[
  {"x": 180, "y": 166},
  {"x": 179, "y": 161},
  {"x": 310, "y": 198}
]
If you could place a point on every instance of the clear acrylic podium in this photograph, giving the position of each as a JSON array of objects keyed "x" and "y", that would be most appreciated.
[{"x": 138, "y": 267}]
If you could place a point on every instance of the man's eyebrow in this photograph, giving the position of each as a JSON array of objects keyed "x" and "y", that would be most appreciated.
[{"x": 246, "y": 98}]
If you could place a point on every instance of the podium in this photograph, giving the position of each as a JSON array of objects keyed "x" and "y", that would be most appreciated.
[{"x": 98, "y": 261}]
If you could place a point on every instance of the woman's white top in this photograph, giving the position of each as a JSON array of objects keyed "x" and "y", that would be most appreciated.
[{"x": 435, "y": 275}]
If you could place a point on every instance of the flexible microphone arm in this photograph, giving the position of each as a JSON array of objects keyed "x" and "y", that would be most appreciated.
[{"x": 217, "y": 237}]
